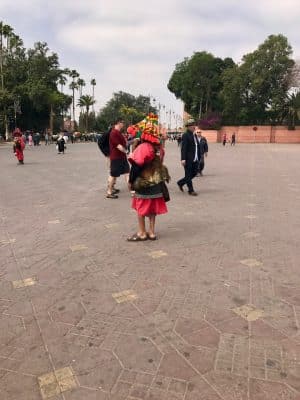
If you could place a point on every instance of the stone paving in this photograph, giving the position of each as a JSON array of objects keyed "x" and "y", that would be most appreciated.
[{"x": 210, "y": 311}]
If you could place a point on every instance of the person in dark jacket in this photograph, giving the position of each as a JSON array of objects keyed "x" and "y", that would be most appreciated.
[
  {"x": 61, "y": 144},
  {"x": 233, "y": 139},
  {"x": 190, "y": 157},
  {"x": 203, "y": 150}
]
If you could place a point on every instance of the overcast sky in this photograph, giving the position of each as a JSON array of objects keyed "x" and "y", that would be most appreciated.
[{"x": 133, "y": 46}]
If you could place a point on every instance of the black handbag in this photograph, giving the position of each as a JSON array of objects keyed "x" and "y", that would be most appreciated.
[{"x": 165, "y": 191}]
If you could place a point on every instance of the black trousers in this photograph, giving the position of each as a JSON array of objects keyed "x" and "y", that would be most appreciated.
[
  {"x": 201, "y": 164},
  {"x": 190, "y": 170}
]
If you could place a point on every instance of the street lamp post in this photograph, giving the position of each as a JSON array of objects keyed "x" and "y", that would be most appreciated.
[
  {"x": 154, "y": 101},
  {"x": 158, "y": 115},
  {"x": 16, "y": 109}
]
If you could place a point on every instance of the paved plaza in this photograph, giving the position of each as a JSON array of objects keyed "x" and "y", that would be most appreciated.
[{"x": 210, "y": 311}]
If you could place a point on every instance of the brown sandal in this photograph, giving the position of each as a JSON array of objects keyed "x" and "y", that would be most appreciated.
[
  {"x": 111, "y": 196},
  {"x": 136, "y": 238},
  {"x": 151, "y": 237}
]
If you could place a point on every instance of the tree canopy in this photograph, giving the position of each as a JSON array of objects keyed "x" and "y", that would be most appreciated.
[
  {"x": 131, "y": 108},
  {"x": 256, "y": 91},
  {"x": 28, "y": 86}
]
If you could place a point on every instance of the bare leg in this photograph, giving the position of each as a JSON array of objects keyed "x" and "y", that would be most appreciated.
[
  {"x": 152, "y": 226},
  {"x": 142, "y": 228},
  {"x": 109, "y": 177},
  {"x": 111, "y": 182}
]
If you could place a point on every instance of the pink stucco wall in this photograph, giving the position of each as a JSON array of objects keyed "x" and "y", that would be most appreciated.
[{"x": 262, "y": 134}]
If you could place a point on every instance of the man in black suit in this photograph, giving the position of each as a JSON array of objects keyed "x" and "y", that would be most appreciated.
[
  {"x": 190, "y": 157},
  {"x": 203, "y": 149}
]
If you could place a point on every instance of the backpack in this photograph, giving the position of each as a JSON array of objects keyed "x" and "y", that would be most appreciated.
[{"x": 103, "y": 143}]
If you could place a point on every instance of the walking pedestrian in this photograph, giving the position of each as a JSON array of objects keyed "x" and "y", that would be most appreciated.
[
  {"x": 30, "y": 140},
  {"x": 233, "y": 139},
  {"x": 103, "y": 144},
  {"x": 60, "y": 144},
  {"x": 46, "y": 138},
  {"x": 147, "y": 178},
  {"x": 190, "y": 157},
  {"x": 203, "y": 150},
  {"x": 19, "y": 145},
  {"x": 224, "y": 139},
  {"x": 118, "y": 158}
]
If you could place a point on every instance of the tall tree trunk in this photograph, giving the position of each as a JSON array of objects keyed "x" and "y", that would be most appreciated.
[
  {"x": 93, "y": 98},
  {"x": 200, "y": 107},
  {"x": 74, "y": 105},
  {"x": 51, "y": 119},
  {"x": 6, "y": 127},
  {"x": 1, "y": 57},
  {"x": 87, "y": 120}
]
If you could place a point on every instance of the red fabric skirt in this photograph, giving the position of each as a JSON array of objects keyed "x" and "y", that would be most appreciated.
[
  {"x": 19, "y": 155},
  {"x": 146, "y": 207}
]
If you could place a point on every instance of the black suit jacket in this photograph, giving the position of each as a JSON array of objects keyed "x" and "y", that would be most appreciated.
[
  {"x": 188, "y": 147},
  {"x": 203, "y": 145}
]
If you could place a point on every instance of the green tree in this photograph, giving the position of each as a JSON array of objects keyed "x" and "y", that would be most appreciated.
[
  {"x": 130, "y": 114},
  {"x": 116, "y": 104},
  {"x": 93, "y": 83},
  {"x": 81, "y": 84},
  {"x": 62, "y": 80},
  {"x": 256, "y": 91},
  {"x": 86, "y": 102},
  {"x": 197, "y": 81},
  {"x": 30, "y": 77},
  {"x": 293, "y": 107},
  {"x": 73, "y": 86}
]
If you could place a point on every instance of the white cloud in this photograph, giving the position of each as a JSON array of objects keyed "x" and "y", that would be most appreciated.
[{"x": 134, "y": 45}]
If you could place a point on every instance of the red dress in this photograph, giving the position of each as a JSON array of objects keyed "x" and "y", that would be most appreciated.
[
  {"x": 148, "y": 200},
  {"x": 18, "y": 148}
]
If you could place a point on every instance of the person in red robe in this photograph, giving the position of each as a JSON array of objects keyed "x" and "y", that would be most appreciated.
[
  {"x": 19, "y": 146},
  {"x": 147, "y": 180}
]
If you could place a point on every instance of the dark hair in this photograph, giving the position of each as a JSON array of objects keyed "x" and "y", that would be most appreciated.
[{"x": 118, "y": 120}]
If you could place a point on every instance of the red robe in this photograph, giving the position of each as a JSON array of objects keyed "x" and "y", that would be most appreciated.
[{"x": 19, "y": 146}]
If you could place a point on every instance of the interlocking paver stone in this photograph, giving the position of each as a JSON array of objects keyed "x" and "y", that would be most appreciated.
[
  {"x": 251, "y": 235},
  {"x": 24, "y": 282},
  {"x": 210, "y": 310},
  {"x": 157, "y": 254},
  {"x": 56, "y": 382},
  {"x": 78, "y": 247},
  {"x": 248, "y": 312},
  {"x": 251, "y": 262}
]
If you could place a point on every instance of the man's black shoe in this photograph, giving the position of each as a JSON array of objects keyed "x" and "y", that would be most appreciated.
[
  {"x": 193, "y": 194},
  {"x": 180, "y": 187}
]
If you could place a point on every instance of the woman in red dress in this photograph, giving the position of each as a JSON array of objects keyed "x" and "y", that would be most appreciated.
[
  {"x": 19, "y": 146},
  {"x": 147, "y": 179}
]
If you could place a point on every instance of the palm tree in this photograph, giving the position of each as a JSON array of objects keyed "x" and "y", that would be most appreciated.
[
  {"x": 15, "y": 43},
  {"x": 5, "y": 32},
  {"x": 62, "y": 81},
  {"x": 294, "y": 107},
  {"x": 86, "y": 101},
  {"x": 93, "y": 83},
  {"x": 81, "y": 84},
  {"x": 73, "y": 85}
]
